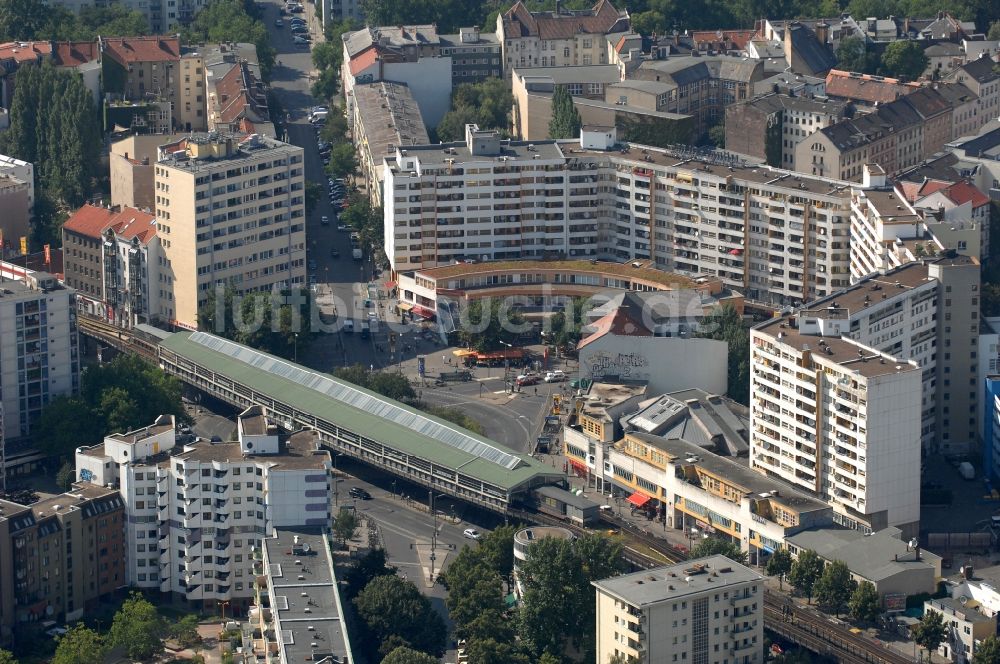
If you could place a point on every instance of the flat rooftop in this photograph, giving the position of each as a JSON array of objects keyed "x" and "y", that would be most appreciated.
[
  {"x": 390, "y": 117},
  {"x": 697, "y": 417},
  {"x": 305, "y": 600},
  {"x": 891, "y": 206},
  {"x": 335, "y": 402},
  {"x": 967, "y": 613},
  {"x": 691, "y": 577},
  {"x": 645, "y": 273},
  {"x": 870, "y": 292},
  {"x": 301, "y": 450},
  {"x": 875, "y": 557},
  {"x": 602, "y": 396},
  {"x": 754, "y": 484},
  {"x": 458, "y": 153},
  {"x": 853, "y": 356},
  {"x": 133, "y": 437}
]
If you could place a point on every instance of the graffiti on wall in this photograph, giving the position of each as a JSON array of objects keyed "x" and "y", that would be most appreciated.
[{"x": 623, "y": 365}]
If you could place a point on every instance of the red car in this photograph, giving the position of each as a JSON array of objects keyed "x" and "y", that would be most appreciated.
[{"x": 526, "y": 380}]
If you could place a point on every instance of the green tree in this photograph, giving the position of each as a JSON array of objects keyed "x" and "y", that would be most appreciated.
[
  {"x": 806, "y": 570},
  {"x": 864, "y": 605},
  {"x": 930, "y": 631},
  {"x": 138, "y": 628},
  {"x": 834, "y": 587},
  {"x": 343, "y": 161},
  {"x": 22, "y": 20},
  {"x": 497, "y": 550},
  {"x": 988, "y": 651},
  {"x": 185, "y": 631},
  {"x": 152, "y": 391},
  {"x": 486, "y": 104},
  {"x": 395, "y": 613},
  {"x": 726, "y": 324},
  {"x": 565, "y": 122},
  {"x": 491, "y": 651},
  {"x": 223, "y": 21},
  {"x": 387, "y": 383},
  {"x": 371, "y": 565},
  {"x": 80, "y": 645},
  {"x": 65, "y": 424},
  {"x": 345, "y": 525},
  {"x": 490, "y": 323},
  {"x": 313, "y": 195},
  {"x": 274, "y": 322},
  {"x": 993, "y": 35},
  {"x": 558, "y": 602},
  {"x": 404, "y": 655},
  {"x": 717, "y": 546},
  {"x": 852, "y": 55},
  {"x": 6, "y": 657},
  {"x": 119, "y": 410},
  {"x": 779, "y": 564},
  {"x": 65, "y": 476},
  {"x": 473, "y": 588},
  {"x": 904, "y": 59}
]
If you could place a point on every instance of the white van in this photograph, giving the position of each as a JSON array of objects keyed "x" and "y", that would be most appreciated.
[
  {"x": 318, "y": 116},
  {"x": 349, "y": 326}
]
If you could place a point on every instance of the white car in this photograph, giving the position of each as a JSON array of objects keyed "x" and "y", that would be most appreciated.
[
  {"x": 556, "y": 376},
  {"x": 471, "y": 533}
]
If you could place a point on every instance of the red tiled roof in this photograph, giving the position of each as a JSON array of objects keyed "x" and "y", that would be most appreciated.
[
  {"x": 739, "y": 38},
  {"x": 142, "y": 49},
  {"x": 865, "y": 88},
  {"x": 963, "y": 192},
  {"x": 25, "y": 51},
  {"x": 619, "y": 322},
  {"x": 239, "y": 94},
  {"x": 74, "y": 54},
  {"x": 132, "y": 223},
  {"x": 90, "y": 220},
  {"x": 363, "y": 61}
]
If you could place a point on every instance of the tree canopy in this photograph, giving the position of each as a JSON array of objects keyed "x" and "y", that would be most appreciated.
[
  {"x": 806, "y": 571},
  {"x": 54, "y": 124},
  {"x": 988, "y": 651},
  {"x": 490, "y": 323},
  {"x": 405, "y": 655},
  {"x": 565, "y": 122},
  {"x": 223, "y": 21},
  {"x": 486, "y": 104},
  {"x": 274, "y": 322},
  {"x": 369, "y": 566},
  {"x": 27, "y": 20},
  {"x": 395, "y": 613},
  {"x": 726, "y": 324},
  {"x": 779, "y": 564},
  {"x": 7, "y": 657},
  {"x": 864, "y": 603},
  {"x": 834, "y": 587},
  {"x": 558, "y": 602},
  {"x": 138, "y": 628},
  {"x": 717, "y": 546},
  {"x": 930, "y": 631},
  {"x": 904, "y": 59},
  {"x": 80, "y": 645},
  {"x": 122, "y": 395}
]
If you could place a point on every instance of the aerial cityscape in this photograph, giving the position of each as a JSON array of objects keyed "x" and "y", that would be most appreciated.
[{"x": 482, "y": 332}]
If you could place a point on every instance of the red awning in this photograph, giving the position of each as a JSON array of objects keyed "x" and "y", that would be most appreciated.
[
  {"x": 581, "y": 467},
  {"x": 424, "y": 312},
  {"x": 639, "y": 499},
  {"x": 390, "y": 284}
]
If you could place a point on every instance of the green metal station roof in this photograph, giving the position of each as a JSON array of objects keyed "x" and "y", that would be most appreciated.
[{"x": 390, "y": 422}]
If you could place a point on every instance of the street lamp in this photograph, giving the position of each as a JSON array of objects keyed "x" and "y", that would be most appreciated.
[
  {"x": 506, "y": 360},
  {"x": 434, "y": 532},
  {"x": 394, "y": 489},
  {"x": 296, "y": 352}
]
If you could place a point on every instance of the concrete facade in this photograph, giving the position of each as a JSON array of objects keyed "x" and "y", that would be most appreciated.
[{"x": 195, "y": 179}]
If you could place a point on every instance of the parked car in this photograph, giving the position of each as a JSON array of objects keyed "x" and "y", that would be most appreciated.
[
  {"x": 358, "y": 492},
  {"x": 300, "y": 40},
  {"x": 324, "y": 220},
  {"x": 299, "y": 29},
  {"x": 556, "y": 376},
  {"x": 471, "y": 533},
  {"x": 278, "y": 23},
  {"x": 341, "y": 227},
  {"x": 334, "y": 253}
]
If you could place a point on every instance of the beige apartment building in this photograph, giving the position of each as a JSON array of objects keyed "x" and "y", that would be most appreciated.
[
  {"x": 708, "y": 610},
  {"x": 561, "y": 38},
  {"x": 231, "y": 211},
  {"x": 132, "y": 161}
]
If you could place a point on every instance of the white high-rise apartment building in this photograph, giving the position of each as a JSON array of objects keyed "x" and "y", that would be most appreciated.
[
  {"x": 231, "y": 211},
  {"x": 39, "y": 355},
  {"x": 926, "y": 312},
  {"x": 779, "y": 237},
  {"x": 198, "y": 510},
  {"x": 708, "y": 610},
  {"x": 838, "y": 418}
]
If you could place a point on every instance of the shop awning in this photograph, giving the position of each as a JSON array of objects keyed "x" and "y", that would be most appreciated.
[
  {"x": 424, "y": 312},
  {"x": 463, "y": 352},
  {"x": 639, "y": 499},
  {"x": 390, "y": 284},
  {"x": 581, "y": 467},
  {"x": 404, "y": 306}
]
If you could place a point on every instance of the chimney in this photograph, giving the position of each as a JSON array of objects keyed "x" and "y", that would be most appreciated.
[
  {"x": 823, "y": 32},
  {"x": 558, "y": 7}
]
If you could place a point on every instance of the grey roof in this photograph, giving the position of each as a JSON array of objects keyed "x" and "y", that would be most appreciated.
[
  {"x": 873, "y": 557},
  {"x": 459, "y": 153},
  {"x": 692, "y": 577},
  {"x": 706, "y": 420},
  {"x": 816, "y": 56},
  {"x": 390, "y": 117},
  {"x": 943, "y": 49},
  {"x": 346, "y": 405},
  {"x": 981, "y": 69},
  {"x": 771, "y": 103},
  {"x": 574, "y": 74},
  {"x": 756, "y": 484},
  {"x": 568, "y": 497},
  {"x": 786, "y": 81},
  {"x": 485, "y": 39},
  {"x": 691, "y": 69},
  {"x": 650, "y": 87},
  {"x": 305, "y": 599},
  {"x": 956, "y": 608}
]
